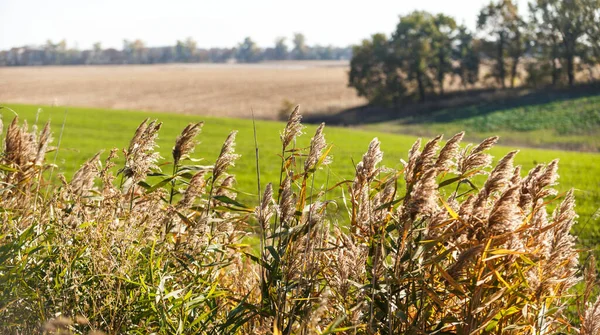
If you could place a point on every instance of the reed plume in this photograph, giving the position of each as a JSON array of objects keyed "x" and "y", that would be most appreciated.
[
  {"x": 317, "y": 144},
  {"x": 293, "y": 128},
  {"x": 227, "y": 157},
  {"x": 185, "y": 142}
]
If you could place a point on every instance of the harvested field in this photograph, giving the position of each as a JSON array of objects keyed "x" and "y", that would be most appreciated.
[{"x": 208, "y": 89}]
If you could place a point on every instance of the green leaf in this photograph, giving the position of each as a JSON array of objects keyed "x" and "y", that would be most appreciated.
[
  {"x": 7, "y": 168},
  {"x": 229, "y": 201},
  {"x": 160, "y": 184}
]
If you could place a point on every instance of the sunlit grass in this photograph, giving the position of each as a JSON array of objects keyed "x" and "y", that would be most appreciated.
[{"x": 88, "y": 130}]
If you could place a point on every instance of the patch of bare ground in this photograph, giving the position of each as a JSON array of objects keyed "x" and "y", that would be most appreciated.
[{"x": 207, "y": 89}]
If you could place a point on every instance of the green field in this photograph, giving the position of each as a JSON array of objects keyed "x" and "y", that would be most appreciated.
[
  {"x": 565, "y": 121},
  {"x": 88, "y": 131}
]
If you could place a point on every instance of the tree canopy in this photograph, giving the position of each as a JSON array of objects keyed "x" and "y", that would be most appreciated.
[{"x": 427, "y": 51}]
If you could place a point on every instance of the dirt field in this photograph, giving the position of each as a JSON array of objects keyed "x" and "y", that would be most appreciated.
[{"x": 208, "y": 89}]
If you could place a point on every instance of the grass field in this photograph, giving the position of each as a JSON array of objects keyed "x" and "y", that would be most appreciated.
[
  {"x": 570, "y": 121},
  {"x": 208, "y": 89},
  {"x": 87, "y": 131}
]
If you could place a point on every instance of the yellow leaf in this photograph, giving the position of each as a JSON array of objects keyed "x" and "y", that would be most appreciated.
[{"x": 449, "y": 209}]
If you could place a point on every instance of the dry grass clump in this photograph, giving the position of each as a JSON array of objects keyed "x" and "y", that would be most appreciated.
[{"x": 425, "y": 250}]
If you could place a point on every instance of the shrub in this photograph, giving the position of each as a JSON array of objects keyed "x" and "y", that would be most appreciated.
[{"x": 424, "y": 249}]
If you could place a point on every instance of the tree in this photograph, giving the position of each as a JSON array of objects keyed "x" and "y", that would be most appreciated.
[
  {"x": 185, "y": 51},
  {"x": 570, "y": 20},
  {"x": 501, "y": 19},
  {"x": 248, "y": 51},
  {"x": 300, "y": 50},
  {"x": 180, "y": 51},
  {"x": 191, "y": 48},
  {"x": 547, "y": 47},
  {"x": 442, "y": 40},
  {"x": 419, "y": 56},
  {"x": 373, "y": 74},
  {"x": 467, "y": 57},
  {"x": 592, "y": 30},
  {"x": 135, "y": 52},
  {"x": 281, "y": 48},
  {"x": 592, "y": 26},
  {"x": 517, "y": 45},
  {"x": 414, "y": 49}
]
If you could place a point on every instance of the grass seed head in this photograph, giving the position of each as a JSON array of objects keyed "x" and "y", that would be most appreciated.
[
  {"x": 185, "y": 142},
  {"x": 293, "y": 128},
  {"x": 317, "y": 144},
  {"x": 227, "y": 157},
  {"x": 505, "y": 217},
  {"x": 449, "y": 152},
  {"x": 195, "y": 188}
]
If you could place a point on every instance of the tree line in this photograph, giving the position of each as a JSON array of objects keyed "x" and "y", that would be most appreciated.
[
  {"x": 184, "y": 51},
  {"x": 426, "y": 52}
]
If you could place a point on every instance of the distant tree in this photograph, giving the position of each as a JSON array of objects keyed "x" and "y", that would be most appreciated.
[
  {"x": 49, "y": 52},
  {"x": 467, "y": 57},
  {"x": 96, "y": 55},
  {"x": 248, "y": 51},
  {"x": 592, "y": 30},
  {"x": 501, "y": 19},
  {"x": 413, "y": 49},
  {"x": 139, "y": 51},
  {"x": 135, "y": 52},
  {"x": 186, "y": 51},
  {"x": 221, "y": 55},
  {"x": 443, "y": 37},
  {"x": 570, "y": 19},
  {"x": 281, "y": 49},
  {"x": 300, "y": 49},
  {"x": 192, "y": 49},
  {"x": 324, "y": 53},
  {"x": 592, "y": 26},
  {"x": 180, "y": 51},
  {"x": 419, "y": 57},
  {"x": 518, "y": 39},
  {"x": 547, "y": 48},
  {"x": 373, "y": 73}
]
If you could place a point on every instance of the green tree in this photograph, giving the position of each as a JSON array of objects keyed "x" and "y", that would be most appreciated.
[
  {"x": 413, "y": 49},
  {"x": 591, "y": 53},
  {"x": 180, "y": 51},
  {"x": 373, "y": 74},
  {"x": 416, "y": 60},
  {"x": 135, "y": 52},
  {"x": 248, "y": 51},
  {"x": 300, "y": 50},
  {"x": 547, "y": 47},
  {"x": 281, "y": 48},
  {"x": 467, "y": 56},
  {"x": 443, "y": 38},
  {"x": 518, "y": 38},
  {"x": 570, "y": 19},
  {"x": 501, "y": 20}
]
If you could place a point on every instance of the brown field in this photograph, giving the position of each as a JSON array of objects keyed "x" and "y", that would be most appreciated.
[{"x": 207, "y": 89}]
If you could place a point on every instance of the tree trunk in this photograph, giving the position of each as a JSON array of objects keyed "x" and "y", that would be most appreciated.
[
  {"x": 554, "y": 72},
  {"x": 515, "y": 59},
  {"x": 554, "y": 58},
  {"x": 570, "y": 68},
  {"x": 501, "y": 70},
  {"x": 441, "y": 73},
  {"x": 513, "y": 71},
  {"x": 421, "y": 86}
]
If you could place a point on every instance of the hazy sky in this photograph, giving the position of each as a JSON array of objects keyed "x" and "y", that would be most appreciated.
[{"x": 211, "y": 23}]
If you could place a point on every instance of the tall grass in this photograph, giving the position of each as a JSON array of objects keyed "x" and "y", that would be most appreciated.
[{"x": 135, "y": 249}]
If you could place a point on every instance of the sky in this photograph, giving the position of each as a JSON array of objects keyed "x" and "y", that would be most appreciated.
[{"x": 222, "y": 23}]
